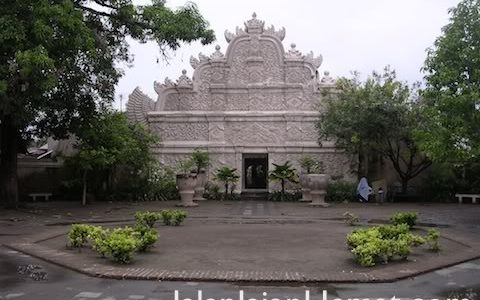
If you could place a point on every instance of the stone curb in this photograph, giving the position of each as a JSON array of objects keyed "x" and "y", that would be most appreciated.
[{"x": 70, "y": 261}]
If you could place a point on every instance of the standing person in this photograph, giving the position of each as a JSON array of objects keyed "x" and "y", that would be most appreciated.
[{"x": 363, "y": 190}]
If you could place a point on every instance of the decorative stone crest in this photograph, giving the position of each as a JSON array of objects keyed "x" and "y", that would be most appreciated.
[
  {"x": 217, "y": 54},
  {"x": 183, "y": 80},
  {"x": 138, "y": 106}
]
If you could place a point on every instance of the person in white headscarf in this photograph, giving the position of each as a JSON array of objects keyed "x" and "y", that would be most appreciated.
[{"x": 363, "y": 190}]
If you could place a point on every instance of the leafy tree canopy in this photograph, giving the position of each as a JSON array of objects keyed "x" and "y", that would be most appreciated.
[
  {"x": 58, "y": 63},
  {"x": 375, "y": 116},
  {"x": 452, "y": 94},
  {"x": 110, "y": 141}
]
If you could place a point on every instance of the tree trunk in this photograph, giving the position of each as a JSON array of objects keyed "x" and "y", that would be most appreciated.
[
  {"x": 226, "y": 191},
  {"x": 8, "y": 163},
  {"x": 84, "y": 194},
  {"x": 363, "y": 161},
  {"x": 405, "y": 185},
  {"x": 283, "y": 190}
]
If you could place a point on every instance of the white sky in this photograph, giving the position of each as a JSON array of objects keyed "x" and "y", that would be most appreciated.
[{"x": 362, "y": 35}]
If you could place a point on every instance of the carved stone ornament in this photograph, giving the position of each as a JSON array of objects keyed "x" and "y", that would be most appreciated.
[
  {"x": 217, "y": 54},
  {"x": 138, "y": 106},
  {"x": 183, "y": 80},
  {"x": 294, "y": 53},
  {"x": 327, "y": 79}
]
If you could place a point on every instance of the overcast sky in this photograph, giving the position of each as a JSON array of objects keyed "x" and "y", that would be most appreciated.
[{"x": 362, "y": 35}]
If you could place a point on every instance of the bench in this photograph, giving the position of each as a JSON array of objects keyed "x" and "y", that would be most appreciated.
[
  {"x": 473, "y": 196},
  {"x": 44, "y": 195}
]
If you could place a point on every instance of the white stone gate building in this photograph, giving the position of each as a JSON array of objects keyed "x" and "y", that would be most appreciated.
[{"x": 255, "y": 105}]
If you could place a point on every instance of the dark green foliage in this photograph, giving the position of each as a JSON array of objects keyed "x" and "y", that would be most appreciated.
[
  {"x": 284, "y": 173},
  {"x": 340, "y": 191},
  {"x": 453, "y": 88},
  {"x": 228, "y": 176},
  {"x": 375, "y": 117},
  {"x": 200, "y": 159},
  {"x": 59, "y": 64},
  {"x": 408, "y": 218},
  {"x": 287, "y": 196},
  {"x": 111, "y": 142},
  {"x": 212, "y": 192}
]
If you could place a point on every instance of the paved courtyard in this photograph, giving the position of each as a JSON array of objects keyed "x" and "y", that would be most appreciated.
[{"x": 244, "y": 240}]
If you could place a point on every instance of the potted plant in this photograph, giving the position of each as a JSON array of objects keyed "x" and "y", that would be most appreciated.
[
  {"x": 307, "y": 163},
  {"x": 227, "y": 176},
  {"x": 318, "y": 183},
  {"x": 186, "y": 182},
  {"x": 200, "y": 160},
  {"x": 283, "y": 173}
]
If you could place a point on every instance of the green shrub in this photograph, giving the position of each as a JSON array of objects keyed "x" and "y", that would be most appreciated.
[
  {"x": 97, "y": 238},
  {"x": 173, "y": 217},
  {"x": 276, "y": 196},
  {"x": 432, "y": 239},
  {"x": 212, "y": 192},
  {"x": 350, "y": 218},
  {"x": 341, "y": 191},
  {"x": 147, "y": 218},
  {"x": 78, "y": 235},
  {"x": 409, "y": 218},
  {"x": 121, "y": 244},
  {"x": 382, "y": 243},
  {"x": 146, "y": 236}
]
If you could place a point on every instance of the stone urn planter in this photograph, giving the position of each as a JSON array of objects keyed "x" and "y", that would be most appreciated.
[
  {"x": 186, "y": 187},
  {"x": 318, "y": 183},
  {"x": 200, "y": 186},
  {"x": 306, "y": 196}
]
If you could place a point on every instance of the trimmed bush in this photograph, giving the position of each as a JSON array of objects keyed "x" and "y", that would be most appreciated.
[
  {"x": 121, "y": 244},
  {"x": 173, "y": 217},
  {"x": 341, "y": 191},
  {"x": 432, "y": 239},
  {"x": 147, "y": 218},
  {"x": 78, "y": 235},
  {"x": 382, "y": 243},
  {"x": 409, "y": 218},
  {"x": 146, "y": 236},
  {"x": 97, "y": 238}
]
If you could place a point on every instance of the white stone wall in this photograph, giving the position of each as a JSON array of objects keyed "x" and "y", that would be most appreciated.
[{"x": 255, "y": 98}]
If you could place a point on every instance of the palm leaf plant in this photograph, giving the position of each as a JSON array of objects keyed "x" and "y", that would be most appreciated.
[
  {"x": 227, "y": 176},
  {"x": 283, "y": 173}
]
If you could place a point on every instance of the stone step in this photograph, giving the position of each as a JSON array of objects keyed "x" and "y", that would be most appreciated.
[{"x": 254, "y": 196}]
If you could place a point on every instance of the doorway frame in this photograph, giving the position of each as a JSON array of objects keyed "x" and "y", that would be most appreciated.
[{"x": 244, "y": 175}]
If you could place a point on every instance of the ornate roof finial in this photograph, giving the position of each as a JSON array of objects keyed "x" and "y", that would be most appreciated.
[
  {"x": 294, "y": 53},
  {"x": 217, "y": 54},
  {"x": 327, "y": 79},
  {"x": 183, "y": 80},
  {"x": 254, "y": 25}
]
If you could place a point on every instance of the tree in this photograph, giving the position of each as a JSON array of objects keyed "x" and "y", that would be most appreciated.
[
  {"x": 375, "y": 116},
  {"x": 109, "y": 142},
  {"x": 58, "y": 66},
  {"x": 283, "y": 173},
  {"x": 227, "y": 176},
  {"x": 452, "y": 93}
]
